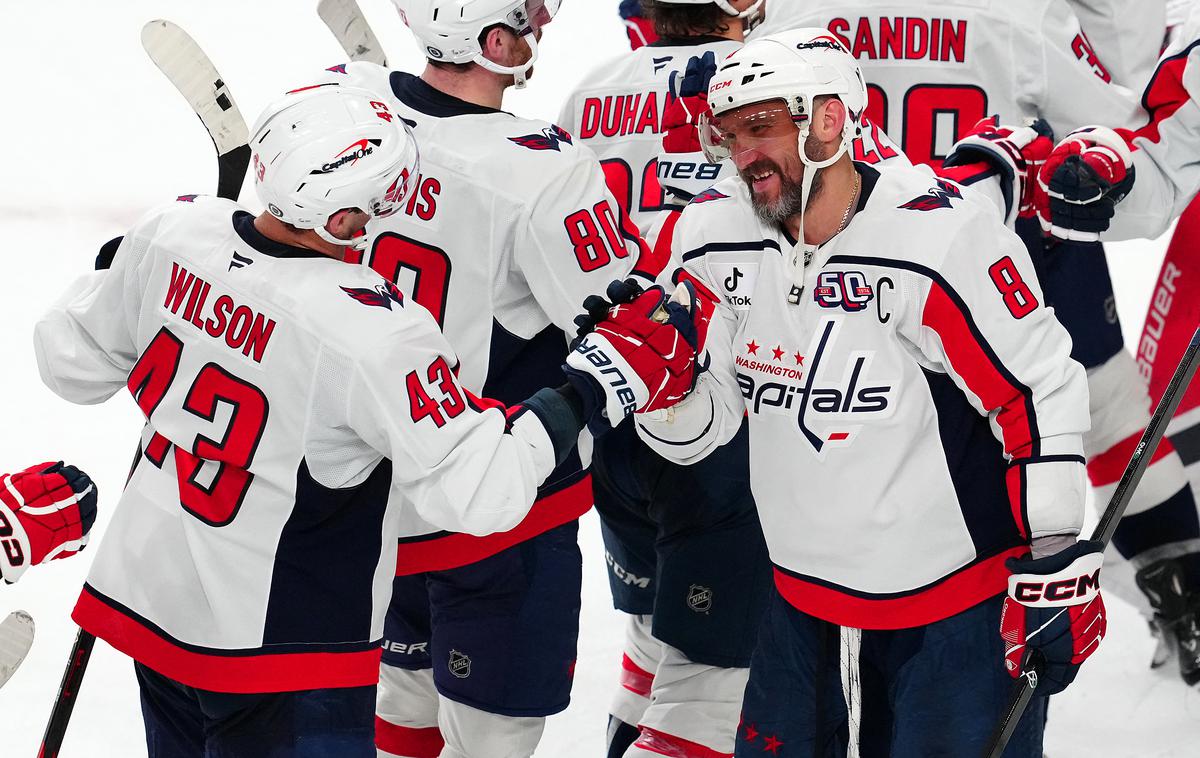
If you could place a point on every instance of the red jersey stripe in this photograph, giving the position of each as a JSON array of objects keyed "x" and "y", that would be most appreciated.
[
  {"x": 1107, "y": 467},
  {"x": 412, "y": 742}
]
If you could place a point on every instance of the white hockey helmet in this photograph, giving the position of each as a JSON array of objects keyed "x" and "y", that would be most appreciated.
[
  {"x": 753, "y": 16},
  {"x": 319, "y": 150},
  {"x": 451, "y": 30},
  {"x": 787, "y": 70}
]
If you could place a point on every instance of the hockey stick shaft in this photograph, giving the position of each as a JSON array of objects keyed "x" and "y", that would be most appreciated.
[
  {"x": 68, "y": 692},
  {"x": 1023, "y": 688}
]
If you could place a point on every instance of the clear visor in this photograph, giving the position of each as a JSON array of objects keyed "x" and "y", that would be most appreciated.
[
  {"x": 752, "y": 127},
  {"x": 530, "y": 17}
]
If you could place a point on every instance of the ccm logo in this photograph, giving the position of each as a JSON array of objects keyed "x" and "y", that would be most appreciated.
[
  {"x": 721, "y": 85},
  {"x": 1063, "y": 589},
  {"x": 12, "y": 546}
]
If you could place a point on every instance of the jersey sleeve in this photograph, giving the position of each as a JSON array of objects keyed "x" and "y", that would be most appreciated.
[
  {"x": 1129, "y": 32},
  {"x": 1068, "y": 83},
  {"x": 576, "y": 238},
  {"x": 1166, "y": 157},
  {"x": 466, "y": 464},
  {"x": 712, "y": 414},
  {"x": 86, "y": 344},
  {"x": 983, "y": 321}
]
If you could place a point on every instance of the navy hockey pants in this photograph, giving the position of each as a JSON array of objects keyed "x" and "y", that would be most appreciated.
[
  {"x": 184, "y": 722},
  {"x": 929, "y": 692}
]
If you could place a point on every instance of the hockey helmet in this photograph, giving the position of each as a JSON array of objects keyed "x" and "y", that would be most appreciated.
[
  {"x": 322, "y": 149},
  {"x": 451, "y": 30}
]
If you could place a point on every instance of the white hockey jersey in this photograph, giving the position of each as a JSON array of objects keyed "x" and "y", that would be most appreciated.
[
  {"x": 913, "y": 423},
  {"x": 509, "y": 229},
  {"x": 618, "y": 112},
  {"x": 935, "y": 67},
  {"x": 286, "y": 393},
  {"x": 1128, "y": 34},
  {"x": 1166, "y": 148}
]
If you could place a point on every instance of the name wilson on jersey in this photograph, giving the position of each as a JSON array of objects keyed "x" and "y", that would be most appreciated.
[{"x": 240, "y": 327}]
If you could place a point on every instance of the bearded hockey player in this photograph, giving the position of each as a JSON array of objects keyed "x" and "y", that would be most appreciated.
[
  {"x": 923, "y": 59},
  {"x": 248, "y": 567},
  {"x": 692, "y": 621},
  {"x": 509, "y": 228},
  {"x": 915, "y": 426},
  {"x": 46, "y": 512}
]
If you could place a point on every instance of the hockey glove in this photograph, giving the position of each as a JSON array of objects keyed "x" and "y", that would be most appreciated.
[
  {"x": 683, "y": 167},
  {"x": 1082, "y": 181},
  {"x": 1016, "y": 154},
  {"x": 639, "y": 28},
  {"x": 1054, "y": 609},
  {"x": 641, "y": 357},
  {"x": 46, "y": 512}
]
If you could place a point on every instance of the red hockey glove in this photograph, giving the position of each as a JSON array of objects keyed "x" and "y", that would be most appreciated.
[
  {"x": 639, "y": 28},
  {"x": 1082, "y": 181},
  {"x": 1055, "y": 610},
  {"x": 1016, "y": 153},
  {"x": 641, "y": 356},
  {"x": 683, "y": 167},
  {"x": 46, "y": 512}
]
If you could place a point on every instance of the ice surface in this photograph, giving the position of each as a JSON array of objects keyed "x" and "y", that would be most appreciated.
[{"x": 95, "y": 136}]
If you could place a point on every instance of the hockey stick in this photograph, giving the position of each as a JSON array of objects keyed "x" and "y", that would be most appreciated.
[
  {"x": 183, "y": 62},
  {"x": 1023, "y": 688},
  {"x": 187, "y": 67},
  {"x": 345, "y": 19},
  {"x": 16, "y": 637}
]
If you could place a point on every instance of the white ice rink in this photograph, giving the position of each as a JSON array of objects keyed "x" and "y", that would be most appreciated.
[{"x": 95, "y": 136}]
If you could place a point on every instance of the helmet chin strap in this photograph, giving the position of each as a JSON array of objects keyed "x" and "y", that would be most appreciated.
[
  {"x": 802, "y": 253},
  {"x": 357, "y": 243},
  {"x": 753, "y": 16},
  {"x": 519, "y": 73}
]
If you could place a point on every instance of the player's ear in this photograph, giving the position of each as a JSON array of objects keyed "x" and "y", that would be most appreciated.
[
  {"x": 831, "y": 115},
  {"x": 502, "y": 45}
]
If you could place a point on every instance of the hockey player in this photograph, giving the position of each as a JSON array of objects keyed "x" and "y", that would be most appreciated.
[
  {"x": 46, "y": 512},
  {"x": 510, "y": 227},
  {"x": 692, "y": 621},
  {"x": 302, "y": 416},
  {"x": 937, "y": 58},
  {"x": 878, "y": 306}
]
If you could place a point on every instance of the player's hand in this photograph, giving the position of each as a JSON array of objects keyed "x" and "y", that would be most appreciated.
[
  {"x": 1017, "y": 153},
  {"x": 686, "y": 172},
  {"x": 46, "y": 512},
  {"x": 1054, "y": 609},
  {"x": 1082, "y": 181},
  {"x": 640, "y": 355},
  {"x": 639, "y": 28}
]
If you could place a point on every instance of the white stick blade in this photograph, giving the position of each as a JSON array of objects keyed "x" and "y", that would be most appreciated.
[
  {"x": 197, "y": 79},
  {"x": 345, "y": 19},
  {"x": 16, "y": 638}
]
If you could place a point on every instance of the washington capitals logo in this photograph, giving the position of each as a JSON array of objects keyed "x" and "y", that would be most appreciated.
[
  {"x": 338, "y": 69},
  {"x": 382, "y": 296},
  {"x": 349, "y": 156},
  {"x": 186, "y": 198},
  {"x": 551, "y": 138},
  {"x": 707, "y": 196},
  {"x": 938, "y": 197}
]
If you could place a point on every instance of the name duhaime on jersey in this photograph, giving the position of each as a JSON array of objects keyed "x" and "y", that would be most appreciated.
[
  {"x": 618, "y": 112},
  {"x": 935, "y": 68},
  {"x": 510, "y": 228},
  {"x": 906, "y": 431},
  {"x": 254, "y": 544}
]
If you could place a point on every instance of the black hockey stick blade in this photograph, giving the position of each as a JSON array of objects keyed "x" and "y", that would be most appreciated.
[
  {"x": 68, "y": 691},
  {"x": 347, "y": 22},
  {"x": 16, "y": 638},
  {"x": 187, "y": 67},
  {"x": 1023, "y": 688}
]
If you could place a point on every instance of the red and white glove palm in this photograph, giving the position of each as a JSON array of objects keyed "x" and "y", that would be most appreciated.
[
  {"x": 637, "y": 353},
  {"x": 1015, "y": 153},
  {"x": 1082, "y": 181},
  {"x": 46, "y": 512},
  {"x": 1055, "y": 612}
]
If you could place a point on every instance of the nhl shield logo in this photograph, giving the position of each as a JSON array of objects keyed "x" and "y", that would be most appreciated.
[
  {"x": 700, "y": 598},
  {"x": 460, "y": 664}
]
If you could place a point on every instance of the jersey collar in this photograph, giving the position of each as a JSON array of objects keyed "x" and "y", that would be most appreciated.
[
  {"x": 704, "y": 39},
  {"x": 870, "y": 177},
  {"x": 420, "y": 96},
  {"x": 243, "y": 224}
]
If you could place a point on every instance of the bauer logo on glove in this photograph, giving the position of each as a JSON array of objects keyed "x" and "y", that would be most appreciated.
[{"x": 636, "y": 353}]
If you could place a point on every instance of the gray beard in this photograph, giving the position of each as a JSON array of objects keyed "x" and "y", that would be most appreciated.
[{"x": 790, "y": 202}]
